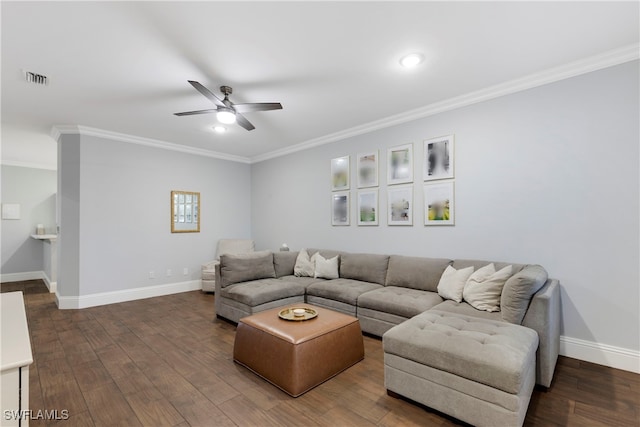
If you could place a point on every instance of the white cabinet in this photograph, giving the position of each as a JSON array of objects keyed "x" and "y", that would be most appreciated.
[{"x": 15, "y": 358}]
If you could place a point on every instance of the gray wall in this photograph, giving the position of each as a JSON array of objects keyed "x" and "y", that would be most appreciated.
[
  {"x": 549, "y": 175},
  {"x": 34, "y": 190},
  {"x": 115, "y": 212}
]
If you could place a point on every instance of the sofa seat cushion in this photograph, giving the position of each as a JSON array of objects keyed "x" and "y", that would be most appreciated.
[
  {"x": 343, "y": 290},
  {"x": 403, "y": 302},
  {"x": 497, "y": 354},
  {"x": 304, "y": 281},
  {"x": 262, "y": 291},
  {"x": 466, "y": 309}
]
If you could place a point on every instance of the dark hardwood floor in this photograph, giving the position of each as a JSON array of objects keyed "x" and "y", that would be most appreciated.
[{"x": 167, "y": 361}]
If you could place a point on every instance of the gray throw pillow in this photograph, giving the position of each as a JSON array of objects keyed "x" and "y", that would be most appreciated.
[
  {"x": 519, "y": 290},
  {"x": 246, "y": 267}
]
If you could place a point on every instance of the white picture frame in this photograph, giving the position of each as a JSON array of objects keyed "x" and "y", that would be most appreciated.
[
  {"x": 400, "y": 205},
  {"x": 439, "y": 158},
  {"x": 439, "y": 203},
  {"x": 368, "y": 211},
  {"x": 367, "y": 168},
  {"x": 400, "y": 164},
  {"x": 340, "y": 173},
  {"x": 340, "y": 212}
]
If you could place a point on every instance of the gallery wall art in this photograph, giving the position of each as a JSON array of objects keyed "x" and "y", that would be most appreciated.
[
  {"x": 340, "y": 173},
  {"x": 368, "y": 207},
  {"x": 368, "y": 169},
  {"x": 400, "y": 164},
  {"x": 400, "y": 205},
  {"x": 439, "y": 203},
  {"x": 438, "y": 158},
  {"x": 438, "y": 173},
  {"x": 340, "y": 208}
]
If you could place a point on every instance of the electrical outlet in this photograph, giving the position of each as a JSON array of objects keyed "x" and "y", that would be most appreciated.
[
  {"x": 169, "y": 273},
  {"x": 185, "y": 271},
  {"x": 152, "y": 274}
]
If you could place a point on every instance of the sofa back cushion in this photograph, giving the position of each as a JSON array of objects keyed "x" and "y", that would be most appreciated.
[
  {"x": 519, "y": 290},
  {"x": 364, "y": 267},
  {"x": 478, "y": 264},
  {"x": 283, "y": 262},
  {"x": 416, "y": 273},
  {"x": 246, "y": 267}
]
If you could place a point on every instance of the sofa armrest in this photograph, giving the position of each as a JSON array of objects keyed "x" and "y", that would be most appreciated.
[
  {"x": 543, "y": 316},
  {"x": 218, "y": 298},
  {"x": 210, "y": 265}
]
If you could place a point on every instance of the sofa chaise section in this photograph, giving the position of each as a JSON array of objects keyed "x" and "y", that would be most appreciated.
[{"x": 479, "y": 371}]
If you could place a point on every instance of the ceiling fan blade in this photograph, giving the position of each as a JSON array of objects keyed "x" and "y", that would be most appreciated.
[
  {"x": 242, "y": 121},
  {"x": 263, "y": 106},
  {"x": 207, "y": 93},
  {"x": 191, "y": 113}
]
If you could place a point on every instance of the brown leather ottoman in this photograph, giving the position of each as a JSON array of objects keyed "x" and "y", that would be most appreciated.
[{"x": 297, "y": 356}]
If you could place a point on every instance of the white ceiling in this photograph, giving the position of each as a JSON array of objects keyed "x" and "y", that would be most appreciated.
[{"x": 124, "y": 66}]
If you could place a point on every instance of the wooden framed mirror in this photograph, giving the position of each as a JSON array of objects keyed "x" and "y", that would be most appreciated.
[{"x": 185, "y": 212}]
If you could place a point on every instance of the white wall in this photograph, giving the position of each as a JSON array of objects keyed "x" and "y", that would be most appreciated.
[
  {"x": 549, "y": 175},
  {"x": 34, "y": 190},
  {"x": 121, "y": 194}
]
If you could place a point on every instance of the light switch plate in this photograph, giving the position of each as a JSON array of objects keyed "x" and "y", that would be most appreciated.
[{"x": 10, "y": 211}]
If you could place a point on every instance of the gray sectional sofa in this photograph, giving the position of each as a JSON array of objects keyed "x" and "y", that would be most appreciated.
[{"x": 387, "y": 290}]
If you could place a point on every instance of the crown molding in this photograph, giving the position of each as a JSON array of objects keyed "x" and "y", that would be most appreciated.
[
  {"x": 31, "y": 165},
  {"x": 60, "y": 130},
  {"x": 572, "y": 69}
]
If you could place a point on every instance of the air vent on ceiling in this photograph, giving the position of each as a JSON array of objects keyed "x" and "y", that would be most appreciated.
[{"x": 35, "y": 78}]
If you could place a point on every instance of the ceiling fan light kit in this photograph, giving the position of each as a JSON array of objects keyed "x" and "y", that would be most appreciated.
[
  {"x": 226, "y": 115},
  {"x": 226, "y": 111}
]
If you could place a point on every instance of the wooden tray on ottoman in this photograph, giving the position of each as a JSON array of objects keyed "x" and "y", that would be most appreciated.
[{"x": 298, "y": 356}]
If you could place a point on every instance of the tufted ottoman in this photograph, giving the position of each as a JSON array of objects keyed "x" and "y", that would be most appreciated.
[{"x": 479, "y": 371}]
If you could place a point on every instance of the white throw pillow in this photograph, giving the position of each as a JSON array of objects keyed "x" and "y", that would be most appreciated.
[
  {"x": 482, "y": 292},
  {"x": 452, "y": 283},
  {"x": 305, "y": 266},
  {"x": 326, "y": 268}
]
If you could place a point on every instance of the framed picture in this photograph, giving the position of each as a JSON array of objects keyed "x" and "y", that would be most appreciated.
[
  {"x": 185, "y": 212},
  {"x": 439, "y": 205},
  {"x": 400, "y": 205},
  {"x": 340, "y": 208},
  {"x": 368, "y": 169},
  {"x": 340, "y": 174},
  {"x": 400, "y": 164},
  {"x": 438, "y": 158},
  {"x": 368, "y": 207}
]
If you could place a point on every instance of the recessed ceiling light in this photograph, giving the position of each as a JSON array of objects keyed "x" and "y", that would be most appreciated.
[
  {"x": 220, "y": 129},
  {"x": 412, "y": 60}
]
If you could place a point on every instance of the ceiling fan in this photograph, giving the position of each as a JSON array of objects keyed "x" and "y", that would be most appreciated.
[{"x": 226, "y": 111}]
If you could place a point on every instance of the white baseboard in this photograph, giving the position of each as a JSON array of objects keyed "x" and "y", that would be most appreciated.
[
  {"x": 103, "y": 298},
  {"x": 53, "y": 286},
  {"x": 19, "y": 277},
  {"x": 602, "y": 354}
]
